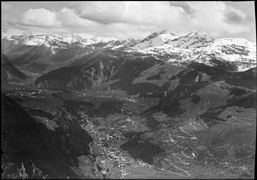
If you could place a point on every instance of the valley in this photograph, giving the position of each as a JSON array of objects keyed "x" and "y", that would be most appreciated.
[
  {"x": 176, "y": 150},
  {"x": 164, "y": 107}
]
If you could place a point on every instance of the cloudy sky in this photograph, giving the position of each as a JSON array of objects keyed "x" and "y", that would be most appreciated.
[{"x": 131, "y": 19}]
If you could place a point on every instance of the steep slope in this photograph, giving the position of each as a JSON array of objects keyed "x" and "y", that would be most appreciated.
[
  {"x": 117, "y": 69},
  {"x": 53, "y": 41},
  {"x": 155, "y": 39},
  {"x": 43, "y": 53},
  {"x": 32, "y": 150},
  {"x": 191, "y": 41},
  {"x": 238, "y": 54},
  {"x": 9, "y": 73},
  {"x": 85, "y": 72},
  {"x": 199, "y": 88},
  {"x": 134, "y": 73}
]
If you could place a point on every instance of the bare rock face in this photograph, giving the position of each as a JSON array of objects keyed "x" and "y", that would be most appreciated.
[{"x": 9, "y": 73}]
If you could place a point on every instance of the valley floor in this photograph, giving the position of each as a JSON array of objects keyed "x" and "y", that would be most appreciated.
[{"x": 124, "y": 146}]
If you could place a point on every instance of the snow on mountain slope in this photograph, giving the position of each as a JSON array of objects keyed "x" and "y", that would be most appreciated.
[
  {"x": 237, "y": 51},
  {"x": 155, "y": 39},
  {"x": 164, "y": 45},
  {"x": 199, "y": 47},
  {"x": 165, "y": 51},
  {"x": 169, "y": 45},
  {"x": 56, "y": 41},
  {"x": 232, "y": 49},
  {"x": 191, "y": 41}
]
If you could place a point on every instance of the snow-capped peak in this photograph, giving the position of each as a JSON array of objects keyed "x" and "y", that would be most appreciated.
[
  {"x": 54, "y": 41},
  {"x": 156, "y": 39},
  {"x": 198, "y": 47},
  {"x": 193, "y": 46},
  {"x": 192, "y": 40},
  {"x": 238, "y": 51}
]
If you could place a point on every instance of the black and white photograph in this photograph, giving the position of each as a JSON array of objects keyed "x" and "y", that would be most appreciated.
[{"x": 128, "y": 89}]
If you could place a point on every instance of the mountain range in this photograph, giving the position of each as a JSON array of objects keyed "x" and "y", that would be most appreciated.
[
  {"x": 164, "y": 106},
  {"x": 42, "y": 53}
]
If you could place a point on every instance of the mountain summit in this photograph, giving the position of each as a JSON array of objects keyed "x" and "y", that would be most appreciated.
[{"x": 164, "y": 45}]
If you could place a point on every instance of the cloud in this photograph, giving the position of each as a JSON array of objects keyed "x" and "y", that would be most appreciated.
[
  {"x": 210, "y": 17},
  {"x": 103, "y": 12},
  {"x": 70, "y": 18},
  {"x": 234, "y": 15},
  {"x": 40, "y": 17},
  {"x": 137, "y": 19},
  {"x": 143, "y": 13},
  {"x": 183, "y": 5}
]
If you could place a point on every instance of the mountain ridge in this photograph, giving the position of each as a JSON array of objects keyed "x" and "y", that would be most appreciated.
[{"x": 48, "y": 52}]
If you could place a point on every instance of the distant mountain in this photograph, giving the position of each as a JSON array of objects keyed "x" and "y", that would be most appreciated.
[
  {"x": 41, "y": 53},
  {"x": 165, "y": 39},
  {"x": 96, "y": 68},
  {"x": 9, "y": 73},
  {"x": 235, "y": 52},
  {"x": 163, "y": 51},
  {"x": 57, "y": 42},
  {"x": 238, "y": 52},
  {"x": 156, "y": 39}
]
